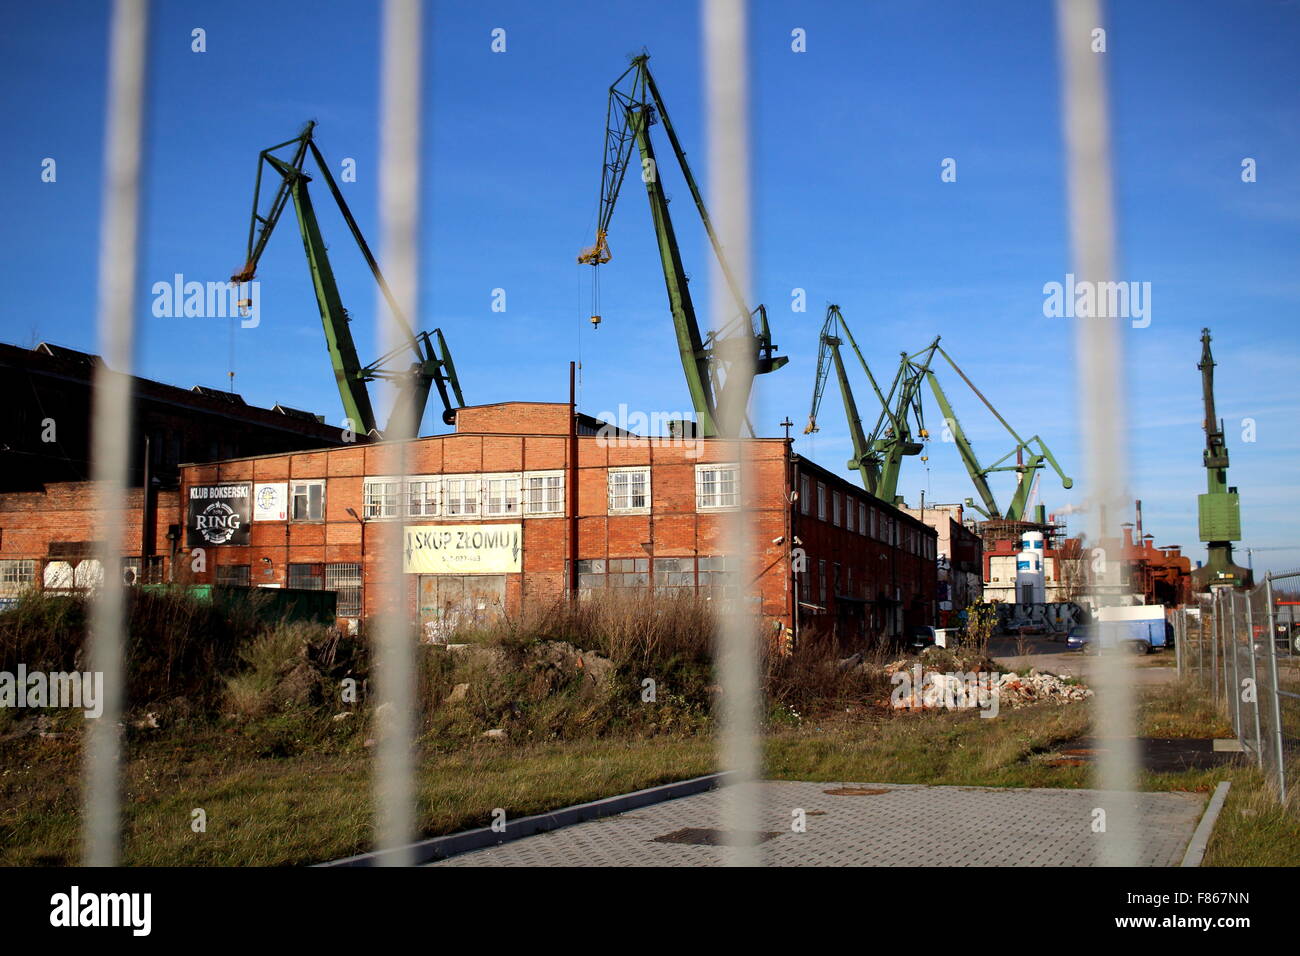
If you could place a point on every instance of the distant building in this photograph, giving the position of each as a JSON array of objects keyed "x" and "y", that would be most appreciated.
[
  {"x": 46, "y": 394},
  {"x": 960, "y": 562}
]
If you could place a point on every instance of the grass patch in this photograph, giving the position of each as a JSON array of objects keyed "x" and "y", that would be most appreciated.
[{"x": 313, "y": 805}]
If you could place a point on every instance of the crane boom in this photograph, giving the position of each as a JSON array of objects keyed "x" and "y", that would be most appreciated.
[
  {"x": 711, "y": 362},
  {"x": 878, "y": 457},
  {"x": 431, "y": 365}
]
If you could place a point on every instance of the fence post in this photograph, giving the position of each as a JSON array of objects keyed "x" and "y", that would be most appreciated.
[
  {"x": 1277, "y": 697},
  {"x": 1254, "y": 677},
  {"x": 1178, "y": 640},
  {"x": 1214, "y": 648},
  {"x": 1230, "y": 682}
]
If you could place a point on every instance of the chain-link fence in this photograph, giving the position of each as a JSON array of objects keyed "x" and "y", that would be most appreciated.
[{"x": 1243, "y": 648}]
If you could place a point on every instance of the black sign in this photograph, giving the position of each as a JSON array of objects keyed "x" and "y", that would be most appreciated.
[{"x": 218, "y": 514}]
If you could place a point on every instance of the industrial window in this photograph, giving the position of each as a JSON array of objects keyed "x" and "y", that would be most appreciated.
[
  {"x": 308, "y": 502},
  {"x": 821, "y": 581},
  {"x": 382, "y": 497},
  {"x": 422, "y": 497},
  {"x": 862, "y": 517},
  {"x": 835, "y": 580},
  {"x": 875, "y": 523},
  {"x": 715, "y": 576},
  {"x": 544, "y": 493},
  {"x": 309, "y": 577},
  {"x": 835, "y": 508},
  {"x": 805, "y": 586},
  {"x": 232, "y": 575},
  {"x": 821, "y": 501},
  {"x": 672, "y": 573},
  {"x": 805, "y": 494},
  {"x": 15, "y": 575},
  {"x": 460, "y": 497},
  {"x": 716, "y": 486},
  {"x": 850, "y": 512},
  {"x": 848, "y": 582},
  {"x": 613, "y": 573},
  {"x": 501, "y": 495},
  {"x": 344, "y": 579},
  {"x": 629, "y": 489}
]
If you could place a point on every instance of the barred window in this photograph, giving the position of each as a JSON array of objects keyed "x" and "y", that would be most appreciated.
[
  {"x": 716, "y": 486},
  {"x": 629, "y": 489},
  {"x": 344, "y": 579},
  {"x": 422, "y": 497},
  {"x": 309, "y": 577},
  {"x": 233, "y": 575},
  {"x": 382, "y": 496}
]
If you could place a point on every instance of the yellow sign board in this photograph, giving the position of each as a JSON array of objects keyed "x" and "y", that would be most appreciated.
[{"x": 462, "y": 549}]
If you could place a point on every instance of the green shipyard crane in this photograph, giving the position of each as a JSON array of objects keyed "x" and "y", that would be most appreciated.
[
  {"x": 430, "y": 364},
  {"x": 709, "y": 360},
  {"x": 1219, "y": 509},
  {"x": 878, "y": 456},
  {"x": 1030, "y": 454}
]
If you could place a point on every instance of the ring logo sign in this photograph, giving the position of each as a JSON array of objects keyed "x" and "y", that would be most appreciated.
[{"x": 218, "y": 514}]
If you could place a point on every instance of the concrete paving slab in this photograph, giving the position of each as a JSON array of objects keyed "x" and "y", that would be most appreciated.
[{"x": 906, "y": 825}]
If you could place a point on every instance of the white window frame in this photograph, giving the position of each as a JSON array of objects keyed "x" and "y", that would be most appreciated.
[
  {"x": 305, "y": 483},
  {"x": 368, "y": 503},
  {"x": 543, "y": 512},
  {"x": 462, "y": 496},
  {"x": 716, "y": 504},
  {"x": 509, "y": 502},
  {"x": 430, "y": 505},
  {"x": 862, "y": 518},
  {"x": 627, "y": 494}
]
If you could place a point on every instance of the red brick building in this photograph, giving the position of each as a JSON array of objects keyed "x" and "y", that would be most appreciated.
[{"x": 489, "y": 526}]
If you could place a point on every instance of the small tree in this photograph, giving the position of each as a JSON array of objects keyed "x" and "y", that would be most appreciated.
[{"x": 981, "y": 621}]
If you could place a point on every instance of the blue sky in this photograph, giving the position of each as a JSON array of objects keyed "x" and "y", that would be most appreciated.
[{"x": 849, "y": 206}]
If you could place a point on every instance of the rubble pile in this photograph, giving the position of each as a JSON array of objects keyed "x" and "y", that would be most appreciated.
[{"x": 1016, "y": 690}]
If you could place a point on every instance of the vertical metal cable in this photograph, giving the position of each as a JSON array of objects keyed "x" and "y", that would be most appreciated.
[
  {"x": 727, "y": 126},
  {"x": 1099, "y": 363},
  {"x": 111, "y": 414},
  {"x": 399, "y": 215}
]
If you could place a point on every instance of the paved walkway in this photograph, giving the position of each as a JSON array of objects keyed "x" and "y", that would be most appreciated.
[{"x": 907, "y": 825}]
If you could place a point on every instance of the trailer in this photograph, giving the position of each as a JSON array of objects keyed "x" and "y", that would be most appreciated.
[{"x": 1140, "y": 628}]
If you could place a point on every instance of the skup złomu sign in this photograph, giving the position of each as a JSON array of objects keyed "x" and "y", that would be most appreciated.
[{"x": 462, "y": 549}]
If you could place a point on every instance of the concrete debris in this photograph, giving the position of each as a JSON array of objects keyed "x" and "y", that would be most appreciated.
[
  {"x": 495, "y": 734},
  {"x": 1016, "y": 690},
  {"x": 458, "y": 693}
]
